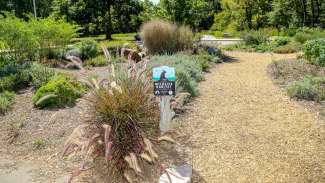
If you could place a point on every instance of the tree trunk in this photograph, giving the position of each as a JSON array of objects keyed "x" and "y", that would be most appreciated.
[
  {"x": 312, "y": 13},
  {"x": 108, "y": 23},
  {"x": 304, "y": 11}
]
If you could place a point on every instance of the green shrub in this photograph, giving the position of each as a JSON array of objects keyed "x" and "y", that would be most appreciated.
[
  {"x": 88, "y": 49},
  {"x": 17, "y": 35},
  {"x": 58, "y": 92},
  {"x": 288, "y": 48},
  {"x": 51, "y": 33},
  {"x": 254, "y": 38},
  {"x": 204, "y": 59},
  {"x": 288, "y": 31},
  {"x": 314, "y": 51},
  {"x": 40, "y": 75},
  {"x": 264, "y": 47},
  {"x": 6, "y": 101},
  {"x": 35, "y": 37},
  {"x": 302, "y": 37},
  {"x": 311, "y": 88},
  {"x": 281, "y": 41},
  {"x": 14, "y": 77},
  {"x": 99, "y": 61},
  {"x": 162, "y": 37},
  {"x": 187, "y": 67}
]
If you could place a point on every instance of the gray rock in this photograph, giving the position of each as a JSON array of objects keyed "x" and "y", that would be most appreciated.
[
  {"x": 73, "y": 52},
  {"x": 213, "y": 51}
]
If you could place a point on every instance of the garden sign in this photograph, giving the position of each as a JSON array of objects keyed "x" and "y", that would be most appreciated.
[
  {"x": 164, "y": 81},
  {"x": 164, "y": 86}
]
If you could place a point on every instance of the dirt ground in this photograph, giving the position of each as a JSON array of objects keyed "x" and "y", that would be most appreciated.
[
  {"x": 32, "y": 140},
  {"x": 243, "y": 128}
]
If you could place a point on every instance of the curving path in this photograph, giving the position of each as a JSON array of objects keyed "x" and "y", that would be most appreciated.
[{"x": 245, "y": 129}]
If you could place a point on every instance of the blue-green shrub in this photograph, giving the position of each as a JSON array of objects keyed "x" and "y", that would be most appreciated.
[
  {"x": 88, "y": 49},
  {"x": 311, "y": 88}
]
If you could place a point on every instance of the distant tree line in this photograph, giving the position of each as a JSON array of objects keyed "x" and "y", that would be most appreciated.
[
  {"x": 256, "y": 14},
  {"x": 112, "y": 16}
]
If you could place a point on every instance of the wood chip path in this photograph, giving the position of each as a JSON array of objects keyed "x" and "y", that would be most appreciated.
[{"x": 245, "y": 129}]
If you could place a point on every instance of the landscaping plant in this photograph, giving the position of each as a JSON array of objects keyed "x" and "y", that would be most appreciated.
[
  {"x": 58, "y": 92},
  {"x": 162, "y": 37},
  {"x": 310, "y": 88},
  {"x": 124, "y": 127},
  {"x": 314, "y": 51},
  {"x": 88, "y": 49},
  {"x": 6, "y": 101},
  {"x": 40, "y": 75}
]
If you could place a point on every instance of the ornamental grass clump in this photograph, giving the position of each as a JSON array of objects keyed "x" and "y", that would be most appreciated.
[
  {"x": 123, "y": 129},
  {"x": 6, "y": 101},
  {"x": 163, "y": 37}
]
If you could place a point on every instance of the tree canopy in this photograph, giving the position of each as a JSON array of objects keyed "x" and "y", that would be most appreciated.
[{"x": 112, "y": 16}]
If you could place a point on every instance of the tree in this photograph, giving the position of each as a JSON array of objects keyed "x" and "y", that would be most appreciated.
[
  {"x": 101, "y": 16},
  {"x": 22, "y": 7},
  {"x": 196, "y": 13}
]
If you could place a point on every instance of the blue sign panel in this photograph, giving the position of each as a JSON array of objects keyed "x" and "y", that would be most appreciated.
[
  {"x": 164, "y": 72},
  {"x": 164, "y": 81}
]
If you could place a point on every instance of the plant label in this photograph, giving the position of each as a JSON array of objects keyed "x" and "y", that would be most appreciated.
[{"x": 164, "y": 81}]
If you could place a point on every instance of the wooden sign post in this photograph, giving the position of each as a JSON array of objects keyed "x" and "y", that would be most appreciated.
[{"x": 164, "y": 86}]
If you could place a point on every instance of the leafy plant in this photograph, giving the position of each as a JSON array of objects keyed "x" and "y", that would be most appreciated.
[
  {"x": 88, "y": 49},
  {"x": 18, "y": 37},
  {"x": 58, "y": 92},
  {"x": 281, "y": 41},
  {"x": 254, "y": 38},
  {"x": 311, "y": 88},
  {"x": 6, "y": 100},
  {"x": 314, "y": 51},
  {"x": 40, "y": 75},
  {"x": 39, "y": 143},
  {"x": 14, "y": 77},
  {"x": 302, "y": 37},
  {"x": 51, "y": 33},
  {"x": 288, "y": 48}
]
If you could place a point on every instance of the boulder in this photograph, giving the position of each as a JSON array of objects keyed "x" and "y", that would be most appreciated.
[
  {"x": 137, "y": 37},
  {"x": 181, "y": 174},
  {"x": 76, "y": 63},
  {"x": 129, "y": 53},
  {"x": 72, "y": 52},
  {"x": 213, "y": 51}
]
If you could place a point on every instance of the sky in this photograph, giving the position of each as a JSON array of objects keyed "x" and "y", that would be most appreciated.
[{"x": 155, "y": 1}]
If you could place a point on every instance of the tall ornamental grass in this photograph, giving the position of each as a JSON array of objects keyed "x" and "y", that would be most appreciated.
[
  {"x": 124, "y": 127},
  {"x": 163, "y": 37}
]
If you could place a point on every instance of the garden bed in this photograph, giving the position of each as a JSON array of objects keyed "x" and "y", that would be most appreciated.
[{"x": 287, "y": 72}]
